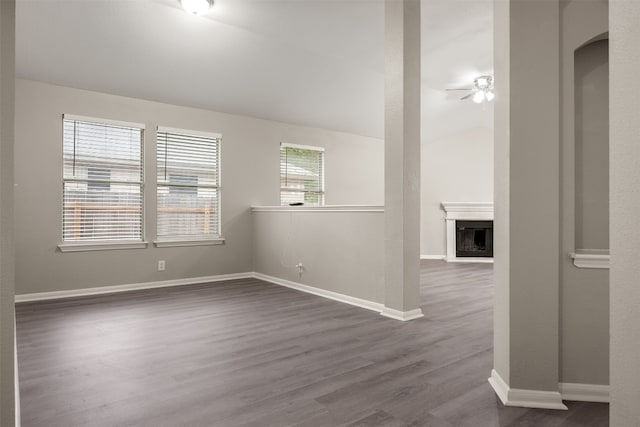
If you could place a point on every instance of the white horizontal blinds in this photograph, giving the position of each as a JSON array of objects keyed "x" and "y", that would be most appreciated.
[
  {"x": 188, "y": 185},
  {"x": 102, "y": 181},
  {"x": 301, "y": 175}
]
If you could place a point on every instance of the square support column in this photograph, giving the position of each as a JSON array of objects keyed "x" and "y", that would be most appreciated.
[
  {"x": 527, "y": 203},
  {"x": 7, "y": 314},
  {"x": 624, "y": 161},
  {"x": 402, "y": 159}
]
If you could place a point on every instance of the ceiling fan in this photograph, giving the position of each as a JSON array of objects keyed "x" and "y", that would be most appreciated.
[{"x": 481, "y": 91}]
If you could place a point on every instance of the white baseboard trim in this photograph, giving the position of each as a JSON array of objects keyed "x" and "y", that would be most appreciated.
[
  {"x": 585, "y": 392},
  {"x": 438, "y": 257},
  {"x": 16, "y": 377},
  {"x": 499, "y": 386},
  {"x": 358, "y": 302},
  {"x": 42, "y": 296},
  {"x": 402, "y": 315},
  {"x": 525, "y": 398}
]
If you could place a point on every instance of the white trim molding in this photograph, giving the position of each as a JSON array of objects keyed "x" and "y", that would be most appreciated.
[
  {"x": 189, "y": 132},
  {"x": 525, "y": 398},
  {"x": 469, "y": 210},
  {"x": 585, "y": 392},
  {"x": 192, "y": 242},
  {"x": 324, "y": 208},
  {"x": 347, "y": 299},
  {"x": 465, "y": 211},
  {"x": 358, "y": 302},
  {"x": 72, "y": 293},
  {"x": 404, "y": 316},
  {"x": 122, "y": 123},
  {"x": 484, "y": 260},
  {"x": 100, "y": 246},
  {"x": 591, "y": 258},
  {"x": 16, "y": 376},
  {"x": 304, "y": 147},
  {"x": 438, "y": 257},
  {"x": 499, "y": 386}
]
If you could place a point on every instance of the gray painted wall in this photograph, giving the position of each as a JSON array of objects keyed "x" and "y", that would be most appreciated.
[
  {"x": 625, "y": 205},
  {"x": 250, "y": 176},
  {"x": 341, "y": 252},
  {"x": 354, "y": 175},
  {"x": 584, "y": 297},
  {"x": 458, "y": 168},
  {"x": 7, "y": 316}
]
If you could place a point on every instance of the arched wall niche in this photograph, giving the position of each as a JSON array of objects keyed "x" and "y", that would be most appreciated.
[
  {"x": 591, "y": 88},
  {"x": 584, "y": 292},
  {"x": 599, "y": 37}
]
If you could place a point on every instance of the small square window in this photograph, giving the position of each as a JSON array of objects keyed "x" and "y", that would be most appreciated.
[{"x": 301, "y": 175}]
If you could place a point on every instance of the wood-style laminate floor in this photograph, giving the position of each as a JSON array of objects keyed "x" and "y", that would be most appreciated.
[{"x": 249, "y": 353}]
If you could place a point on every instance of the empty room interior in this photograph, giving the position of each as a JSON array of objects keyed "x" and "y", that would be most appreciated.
[{"x": 319, "y": 213}]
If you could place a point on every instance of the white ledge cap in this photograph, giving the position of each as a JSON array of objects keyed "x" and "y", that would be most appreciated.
[
  {"x": 323, "y": 208},
  {"x": 591, "y": 258}
]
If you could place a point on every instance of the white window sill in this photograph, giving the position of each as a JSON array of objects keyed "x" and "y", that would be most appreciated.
[
  {"x": 188, "y": 242},
  {"x": 99, "y": 246},
  {"x": 591, "y": 258}
]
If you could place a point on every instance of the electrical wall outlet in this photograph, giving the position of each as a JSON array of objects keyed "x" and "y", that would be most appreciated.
[
  {"x": 300, "y": 267},
  {"x": 161, "y": 265}
]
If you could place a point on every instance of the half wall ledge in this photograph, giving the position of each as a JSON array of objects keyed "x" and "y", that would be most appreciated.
[
  {"x": 323, "y": 208},
  {"x": 591, "y": 258}
]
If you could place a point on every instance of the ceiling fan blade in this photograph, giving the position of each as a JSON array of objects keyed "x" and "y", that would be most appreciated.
[
  {"x": 467, "y": 96},
  {"x": 463, "y": 88}
]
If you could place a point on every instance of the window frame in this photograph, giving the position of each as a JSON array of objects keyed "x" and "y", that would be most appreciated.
[
  {"x": 103, "y": 244},
  {"x": 322, "y": 192},
  {"x": 191, "y": 240}
]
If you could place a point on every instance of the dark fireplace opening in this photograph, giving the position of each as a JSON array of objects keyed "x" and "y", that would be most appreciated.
[{"x": 474, "y": 239}]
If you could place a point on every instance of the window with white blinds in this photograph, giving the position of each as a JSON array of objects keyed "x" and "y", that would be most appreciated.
[
  {"x": 102, "y": 180},
  {"x": 301, "y": 175},
  {"x": 188, "y": 185}
]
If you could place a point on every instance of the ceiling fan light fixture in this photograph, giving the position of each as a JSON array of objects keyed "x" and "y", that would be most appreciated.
[
  {"x": 482, "y": 82},
  {"x": 479, "y": 97},
  {"x": 196, "y": 7},
  {"x": 480, "y": 92}
]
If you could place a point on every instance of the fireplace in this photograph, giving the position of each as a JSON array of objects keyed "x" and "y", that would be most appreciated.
[
  {"x": 469, "y": 231},
  {"x": 474, "y": 239}
]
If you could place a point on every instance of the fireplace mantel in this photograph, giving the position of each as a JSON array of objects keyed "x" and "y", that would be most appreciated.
[{"x": 470, "y": 211}]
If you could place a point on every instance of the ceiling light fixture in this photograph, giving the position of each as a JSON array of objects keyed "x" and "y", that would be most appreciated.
[
  {"x": 482, "y": 81},
  {"x": 479, "y": 97},
  {"x": 196, "y": 7},
  {"x": 481, "y": 92},
  {"x": 483, "y": 87}
]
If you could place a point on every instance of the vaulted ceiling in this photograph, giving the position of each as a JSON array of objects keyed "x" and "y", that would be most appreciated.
[{"x": 311, "y": 62}]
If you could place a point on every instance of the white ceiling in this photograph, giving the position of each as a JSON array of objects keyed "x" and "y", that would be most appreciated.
[{"x": 311, "y": 62}]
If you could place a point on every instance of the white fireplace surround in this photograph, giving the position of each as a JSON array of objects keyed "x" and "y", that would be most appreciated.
[{"x": 466, "y": 211}]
